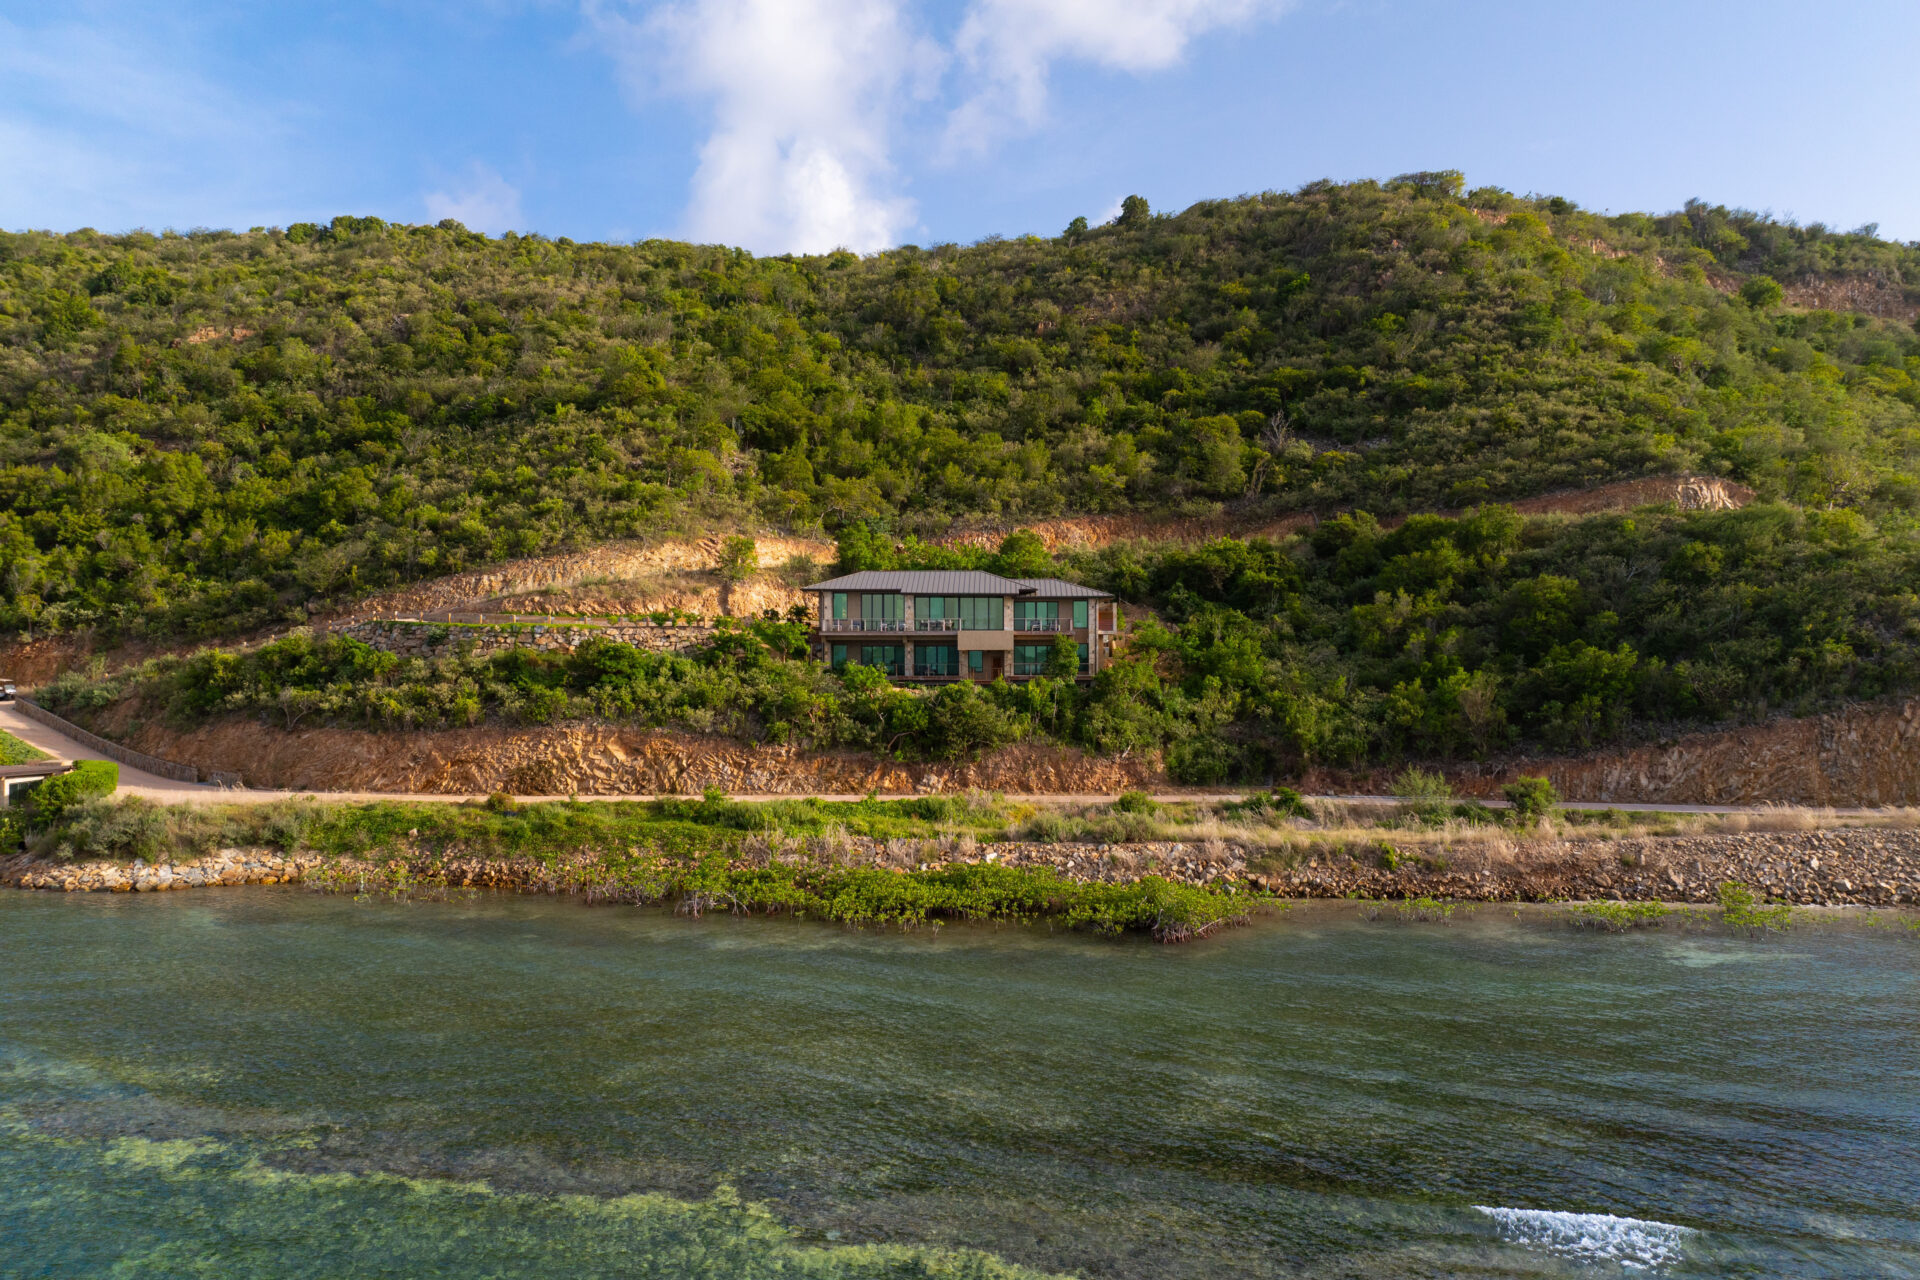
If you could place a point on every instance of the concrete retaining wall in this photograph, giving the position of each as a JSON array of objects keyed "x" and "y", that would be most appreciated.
[{"x": 125, "y": 755}]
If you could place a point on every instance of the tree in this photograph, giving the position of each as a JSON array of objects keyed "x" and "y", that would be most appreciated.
[
  {"x": 859, "y": 548},
  {"x": 1133, "y": 212},
  {"x": 1063, "y": 660},
  {"x": 1531, "y": 799},
  {"x": 739, "y": 557},
  {"x": 963, "y": 722},
  {"x": 1076, "y": 229},
  {"x": 1023, "y": 554},
  {"x": 1762, "y": 293}
]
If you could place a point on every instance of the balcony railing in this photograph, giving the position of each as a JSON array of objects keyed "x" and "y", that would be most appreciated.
[
  {"x": 863, "y": 624},
  {"x": 1031, "y": 669},
  {"x": 936, "y": 624},
  {"x": 1043, "y": 624}
]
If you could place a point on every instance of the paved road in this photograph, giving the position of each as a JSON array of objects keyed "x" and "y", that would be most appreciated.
[{"x": 138, "y": 782}]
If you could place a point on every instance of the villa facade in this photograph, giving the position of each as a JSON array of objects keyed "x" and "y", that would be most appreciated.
[{"x": 960, "y": 624}]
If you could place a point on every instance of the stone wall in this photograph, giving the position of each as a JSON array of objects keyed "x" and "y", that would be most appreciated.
[
  {"x": 156, "y": 765},
  {"x": 1843, "y": 867},
  {"x": 439, "y": 639}
]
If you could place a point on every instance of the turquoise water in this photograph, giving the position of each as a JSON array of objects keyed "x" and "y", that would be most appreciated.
[{"x": 274, "y": 1083}]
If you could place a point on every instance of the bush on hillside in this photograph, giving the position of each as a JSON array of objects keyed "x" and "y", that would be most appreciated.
[{"x": 87, "y": 780}]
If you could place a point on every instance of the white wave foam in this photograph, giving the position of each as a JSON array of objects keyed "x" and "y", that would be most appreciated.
[{"x": 1593, "y": 1237}]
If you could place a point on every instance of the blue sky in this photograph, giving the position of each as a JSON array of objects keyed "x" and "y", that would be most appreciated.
[{"x": 805, "y": 124}]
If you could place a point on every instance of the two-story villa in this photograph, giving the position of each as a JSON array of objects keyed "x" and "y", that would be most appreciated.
[{"x": 960, "y": 624}]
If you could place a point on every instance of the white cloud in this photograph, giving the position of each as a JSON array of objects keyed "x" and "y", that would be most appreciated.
[
  {"x": 803, "y": 95},
  {"x": 1011, "y": 45},
  {"x": 808, "y": 95},
  {"x": 487, "y": 202}
]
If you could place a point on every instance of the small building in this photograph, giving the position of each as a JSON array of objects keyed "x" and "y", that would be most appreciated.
[
  {"x": 18, "y": 779},
  {"x": 960, "y": 624}
]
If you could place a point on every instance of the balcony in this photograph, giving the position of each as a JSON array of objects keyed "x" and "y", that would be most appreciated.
[
  {"x": 1057, "y": 625},
  {"x": 936, "y": 624},
  {"x": 862, "y": 624}
]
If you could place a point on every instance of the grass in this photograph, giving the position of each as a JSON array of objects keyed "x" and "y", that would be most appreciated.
[
  {"x": 1618, "y": 917},
  {"x": 1741, "y": 908},
  {"x": 14, "y": 751}
]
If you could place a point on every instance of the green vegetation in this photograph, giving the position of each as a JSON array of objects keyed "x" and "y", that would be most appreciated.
[
  {"x": 14, "y": 751},
  {"x": 210, "y": 432},
  {"x": 87, "y": 780},
  {"x": 1443, "y": 638},
  {"x": 1618, "y": 917},
  {"x": 1529, "y": 800},
  {"x": 1741, "y": 908},
  {"x": 701, "y": 855}
]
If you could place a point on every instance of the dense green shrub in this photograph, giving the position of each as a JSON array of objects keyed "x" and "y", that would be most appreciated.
[
  {"x": 87, "y": 780},
  {"x": 209, "y": 432},
  {"x": 1529, "y": 800}
]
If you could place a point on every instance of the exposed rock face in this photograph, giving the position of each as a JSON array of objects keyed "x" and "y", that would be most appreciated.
[
  {"x": 613, "y": 561},
  {"x": 1861, "y": 756},
  {"x": 607, "y": 760}
]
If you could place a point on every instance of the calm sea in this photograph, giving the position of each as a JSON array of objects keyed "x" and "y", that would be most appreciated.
[{"x": 276, "y": 1083}]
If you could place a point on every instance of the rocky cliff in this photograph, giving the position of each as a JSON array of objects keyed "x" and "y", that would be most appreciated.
[{"x": 608, "y": 760}]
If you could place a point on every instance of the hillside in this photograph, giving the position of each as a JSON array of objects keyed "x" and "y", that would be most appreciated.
[{"x": 210, "y": 433}]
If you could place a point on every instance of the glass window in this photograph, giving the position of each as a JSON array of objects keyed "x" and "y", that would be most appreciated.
[
  {"x": 974, "y": 613},
  {"x": 839, "y": 604},
  {"x": 1079, "y": 613},
  {"x": 936, "y": 659},
  {"x": 1083, "y": 659},
  {"x": 839, "y": 655},
  {"x": 884, "y": 656},
  {"x": 953, "y": 613},
  {"x": 976, "y": 661},
  {"x": 878, "y": 607},
  {"x": 1036, "y": 615},
  {"x": 1031, "y": 659}
]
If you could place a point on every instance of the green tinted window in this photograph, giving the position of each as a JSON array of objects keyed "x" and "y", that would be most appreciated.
[
  {"x": 884, "y": 656},
  {"x": 936, "y": 659},
  {"x": 976, "y": 613}
]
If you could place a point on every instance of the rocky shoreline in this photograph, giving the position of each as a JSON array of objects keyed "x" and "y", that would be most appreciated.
[{"x": 1842, "y": 867}]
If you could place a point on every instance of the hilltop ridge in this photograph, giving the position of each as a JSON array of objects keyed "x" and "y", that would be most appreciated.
[{"x": 214, "y": 432}]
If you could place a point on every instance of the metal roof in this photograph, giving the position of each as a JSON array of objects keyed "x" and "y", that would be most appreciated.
[
  {"x": 956, "y": 582},
  {"x": 1054, "y": 588},
  {"x": 37, "y": 769}
]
